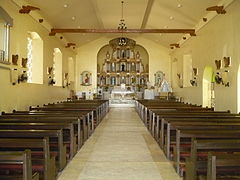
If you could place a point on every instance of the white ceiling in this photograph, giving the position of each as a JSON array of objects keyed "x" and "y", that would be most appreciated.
[{"x": 107, "y": 14}]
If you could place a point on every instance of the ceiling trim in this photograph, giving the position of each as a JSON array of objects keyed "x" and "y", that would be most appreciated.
[{"x": 147, "y": 13}]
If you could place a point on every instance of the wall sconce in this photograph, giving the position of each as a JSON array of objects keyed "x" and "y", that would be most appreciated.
[
  {"x": 194, "y": 80},
  {"x": 51, "y": 80},
  {"x": 23, "y": 77},
  {"x": 14, "y": 76},
  {"x": 222, "y": 78}
]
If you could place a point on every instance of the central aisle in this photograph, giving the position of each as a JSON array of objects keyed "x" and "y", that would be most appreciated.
[{"x": 121, "y": 148}]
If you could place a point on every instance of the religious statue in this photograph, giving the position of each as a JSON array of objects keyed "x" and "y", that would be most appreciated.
[
  {"x": 113, "y": 67},
  {"x": 123, "y": 54},
  {"x": 159, "y": 78},
  {"x": 108, "y": 55},
  {"x": 123, "y": 67},
  {"x": 165, "y": 86},
  {"x": 138, "y": 55}
]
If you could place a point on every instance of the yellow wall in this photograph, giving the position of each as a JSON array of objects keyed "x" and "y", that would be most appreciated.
[
  {"x": 219, "y": 38},
  {"x": 23, "y": 95},
  {"x": 86, "y": 60}
]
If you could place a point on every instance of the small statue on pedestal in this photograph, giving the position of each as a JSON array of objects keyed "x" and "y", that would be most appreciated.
[{"x": 123, "y": 67}]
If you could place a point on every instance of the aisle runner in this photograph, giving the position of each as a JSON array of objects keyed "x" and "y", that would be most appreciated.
[{"x": 120, "y": 149}]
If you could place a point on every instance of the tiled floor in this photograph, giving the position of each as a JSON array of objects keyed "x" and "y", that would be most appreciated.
[{"x": 121, "y": 148}]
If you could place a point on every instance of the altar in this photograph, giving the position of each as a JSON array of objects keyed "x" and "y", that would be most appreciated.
[{"x": 122, "y": 97}]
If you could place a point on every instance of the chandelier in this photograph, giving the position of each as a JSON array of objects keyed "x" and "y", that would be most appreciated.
[{"x": 122, "y": 26}]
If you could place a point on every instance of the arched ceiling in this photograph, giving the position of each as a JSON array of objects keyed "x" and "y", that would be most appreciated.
[{"x": 99, "y": 14}]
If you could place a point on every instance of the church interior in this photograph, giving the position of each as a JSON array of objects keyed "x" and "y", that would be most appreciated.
[{"x": 119, "y": 90}]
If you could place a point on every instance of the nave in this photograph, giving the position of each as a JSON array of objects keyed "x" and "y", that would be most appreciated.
[{"x": 120, "y": 148}]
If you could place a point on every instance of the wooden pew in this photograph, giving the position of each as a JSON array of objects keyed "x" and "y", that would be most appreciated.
[
  {"x": 23, "y": 158},
  {"x": 172, "y": 124},
  {"x": 79, "y": 124},
  {"x": 220, "y": 147},
  {"x": 46, "y": 126},
  {"x": 58, "y": 134},
  {"x": 45, "y": 164},
  {"x": 203, "y": 134},
  {"x": 157, "y": 124},
  {"x": 227, "y": 160}
]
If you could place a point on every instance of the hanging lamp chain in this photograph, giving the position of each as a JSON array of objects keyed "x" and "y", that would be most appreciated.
[{"x": 122, "y": 26}]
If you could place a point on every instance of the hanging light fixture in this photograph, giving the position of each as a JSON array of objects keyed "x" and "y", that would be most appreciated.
[{"x": 122, "y": 26}]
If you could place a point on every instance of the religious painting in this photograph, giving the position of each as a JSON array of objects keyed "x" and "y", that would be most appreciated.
[{"x": 86, "y": 78}]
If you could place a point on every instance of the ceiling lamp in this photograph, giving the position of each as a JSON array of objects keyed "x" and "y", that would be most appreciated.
[{"x": 122, "y": 26}]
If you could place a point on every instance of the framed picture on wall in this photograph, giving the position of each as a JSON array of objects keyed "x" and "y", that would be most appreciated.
[{"x": 86, "y": 78}]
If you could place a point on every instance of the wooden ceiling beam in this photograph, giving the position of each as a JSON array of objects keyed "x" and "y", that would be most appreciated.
[
  {"x": 69, "y": 45},
  {"x": 218, "y": 9},
  {"x": 182, "y": 31},
  {"x": 27, "y": 9},
  {"x": 176, "y": 45}
]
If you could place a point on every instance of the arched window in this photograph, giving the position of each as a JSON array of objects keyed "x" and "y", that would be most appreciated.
[
  {"x": 57, "y": 67},
  {"x": 5, "y": 23},
  {"x": 35, "y": 58}
]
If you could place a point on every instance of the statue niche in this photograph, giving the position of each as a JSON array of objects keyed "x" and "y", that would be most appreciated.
[{"x": 123, "y": 67}]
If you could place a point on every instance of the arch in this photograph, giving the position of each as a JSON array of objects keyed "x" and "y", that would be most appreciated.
[
  {"x": 35, "y": 58},
  {"x": 207, "y": 92},
  {"x": 57, "y": 66},
  {"x": 5, "y": 22}
]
